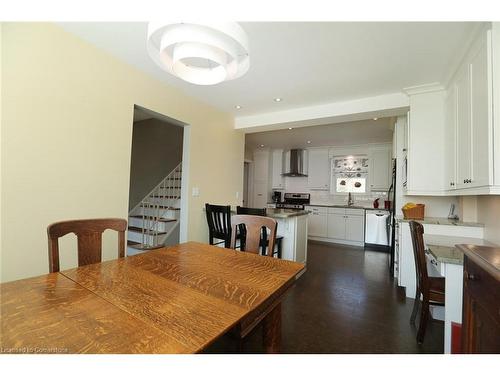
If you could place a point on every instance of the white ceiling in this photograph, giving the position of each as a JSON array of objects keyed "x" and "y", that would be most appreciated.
[
  {"x": 306, "y": 63},
  {"x": 342, "y": 134}
]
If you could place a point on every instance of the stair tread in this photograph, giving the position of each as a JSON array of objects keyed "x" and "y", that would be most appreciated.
[
  {"x": 160, "y": 206},
  {"x": 138, "y": 229},
  {"x": 164, "y": 196},
  {"x": 162, "y": 219},
  {"x": 138, "y": 246}
]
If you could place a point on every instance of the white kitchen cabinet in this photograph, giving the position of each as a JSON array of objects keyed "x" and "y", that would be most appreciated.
[
  {"x": 470, "y": 119},
  {"x": 336, "y": 226},
  {"x": 463, "y": 127},
  {"x": 379, "y": 169},
  {"x": 261, "y": 166},
  {"x": 346, "y": 225},
  {"x": 450, "y": 140},
  {"x": 426, "y": 143},
  {"x": 319, "y": 169},
  {"x": 260, "y": 194},
  {"x": 355, "y": 228},
  {"x": 261, "y": 184},
  {"x": 481, "y": 115},
  {"x": 277, "y": 180},
  {"x": 318, "y": 221}
]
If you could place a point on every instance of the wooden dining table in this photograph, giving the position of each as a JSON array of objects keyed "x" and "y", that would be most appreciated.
[{"x": 177, "y": 299}]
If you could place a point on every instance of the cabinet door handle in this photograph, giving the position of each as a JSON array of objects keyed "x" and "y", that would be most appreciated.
[{"x": 471, "y": 276}]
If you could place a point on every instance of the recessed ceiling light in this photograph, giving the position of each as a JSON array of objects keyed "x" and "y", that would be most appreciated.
[
  {"x": 375, "y": 118},
  {"x": 308, "y": 141},
  {"x": 237, "y": 106},
  {"x": 278, "y": 99},
  {"x": 290, "y": 128},
  {"x": 261, "y": 145}
]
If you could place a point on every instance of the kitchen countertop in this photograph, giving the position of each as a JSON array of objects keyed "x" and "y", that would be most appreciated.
[
  {"x": 342, "y": 206},
  {"x": 443, "y": 248},
  {"x": 281, "y": 213},
  {"x": 441, "y": 221}
]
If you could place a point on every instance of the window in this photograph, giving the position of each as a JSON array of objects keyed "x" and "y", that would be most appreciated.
[{"x": 349, "y": 174}]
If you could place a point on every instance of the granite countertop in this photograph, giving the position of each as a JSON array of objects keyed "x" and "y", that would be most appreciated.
[
  {"x": 446, "y": 254},
  {"x": 340, "y": 206},
  {"x": 281, "y": 213},
  {"x": 441, "y": 221},
  {"x": 443, "y": 248}
]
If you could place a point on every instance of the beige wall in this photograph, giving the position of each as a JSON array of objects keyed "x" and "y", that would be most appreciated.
[
  {"x": 67, "y": 111},
  {"x": 488, "y": 212}
]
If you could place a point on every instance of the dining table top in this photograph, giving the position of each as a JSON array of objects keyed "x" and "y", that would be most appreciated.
[{"x": 176, "y": 299}]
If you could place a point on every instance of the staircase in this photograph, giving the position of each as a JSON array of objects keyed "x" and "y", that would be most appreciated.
[{"x": 154, "y": 221}]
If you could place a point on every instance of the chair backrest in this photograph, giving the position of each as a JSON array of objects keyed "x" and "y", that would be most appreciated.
[
  {"x": 253, "y": 228},
  {"x": 417, "y": 237},
  {"x": 89, "y": 235},
  {"x": 250, "y": 211},
  {"x": 219, "y": 220}
]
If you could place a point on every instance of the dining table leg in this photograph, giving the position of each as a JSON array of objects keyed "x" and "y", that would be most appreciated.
[{"x": 272, "y": 330}]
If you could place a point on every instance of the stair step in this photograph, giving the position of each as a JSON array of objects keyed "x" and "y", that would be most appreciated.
[
  {"x": 163, "y": 220},
  {"x": 139, "y": 246},
  {"x": 139, "y": 230},
  {"x": 162, "y": 207},
  {"x": 165, "y": 196}
]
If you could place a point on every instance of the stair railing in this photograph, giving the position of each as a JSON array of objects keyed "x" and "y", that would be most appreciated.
[{"x": 156, "y": 203}]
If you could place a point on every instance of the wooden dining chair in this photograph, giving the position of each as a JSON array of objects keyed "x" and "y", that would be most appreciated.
[
  {"x": 264, "y": 241},
  {"x": 219, "y": 224},
  {"x": 89, "y": 236},
  {"x": 431, "y": 289},
  {"x": 253, "y": 231}
]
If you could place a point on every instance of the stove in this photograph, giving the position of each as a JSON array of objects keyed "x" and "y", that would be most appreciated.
[{"x": 295, "y": 201}]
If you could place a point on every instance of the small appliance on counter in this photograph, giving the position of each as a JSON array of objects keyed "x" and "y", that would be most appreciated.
[
  {"x": 296, "y": 201},
  {"x": 276, "y": 197},
  {"x": 375, "y": 203}
]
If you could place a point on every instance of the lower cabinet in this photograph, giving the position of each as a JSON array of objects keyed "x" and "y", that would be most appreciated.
[
  {"x": 317, "y": 224},
  {"x": 481, "y": 304},
  {"x": 336, "y": 226},
  {"x": 355, "y": 228},
  {"x": 341, "y": 225}
]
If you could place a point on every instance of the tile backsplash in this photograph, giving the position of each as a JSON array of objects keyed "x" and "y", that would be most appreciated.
[{"x": 299, "y": 185}]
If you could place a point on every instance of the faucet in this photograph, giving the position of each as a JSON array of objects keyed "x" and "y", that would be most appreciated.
[{"x": 350, "y": 201}]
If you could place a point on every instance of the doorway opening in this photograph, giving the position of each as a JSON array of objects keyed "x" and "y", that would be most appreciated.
[{"x": 157, "y": 199}]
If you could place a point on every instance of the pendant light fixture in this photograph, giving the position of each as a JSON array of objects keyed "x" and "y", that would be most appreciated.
[{"x": 199, "y": 53}]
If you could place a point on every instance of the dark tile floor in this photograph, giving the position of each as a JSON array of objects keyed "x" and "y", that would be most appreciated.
[{"x": 344, "y": 303}]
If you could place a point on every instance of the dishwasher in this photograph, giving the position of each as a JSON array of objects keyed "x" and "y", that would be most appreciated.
[{"x": 377, "y": 225}]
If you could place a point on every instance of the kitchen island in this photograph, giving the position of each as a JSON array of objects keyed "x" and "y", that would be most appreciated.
[{"x": 292, "y": 225}]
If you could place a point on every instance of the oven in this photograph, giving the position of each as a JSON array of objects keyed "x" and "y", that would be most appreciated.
[{"x": 295, "y": 201}]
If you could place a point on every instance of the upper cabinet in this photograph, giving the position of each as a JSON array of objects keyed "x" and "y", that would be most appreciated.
[
  {"x": 426, "y": 139},
  {"x": 319, "y": 169},
  {"x": 453, "y": 143},
  {"x": 380, "y": 168},
  {"x": 471, "y": 150},
  {"x": 277, "y": 180}
]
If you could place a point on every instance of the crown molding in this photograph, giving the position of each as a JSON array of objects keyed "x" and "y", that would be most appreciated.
[{"x": 425, "y": 88}]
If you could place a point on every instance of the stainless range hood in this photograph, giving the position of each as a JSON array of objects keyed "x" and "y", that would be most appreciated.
[{"x": 295, "y": 161}]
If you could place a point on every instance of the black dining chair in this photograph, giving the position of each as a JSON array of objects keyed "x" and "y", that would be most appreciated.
[
  {"x": 264, "y": 242},
  {"x": 219, "y": 224}
]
